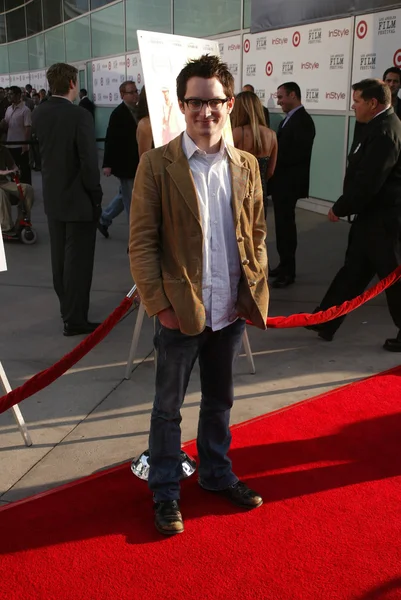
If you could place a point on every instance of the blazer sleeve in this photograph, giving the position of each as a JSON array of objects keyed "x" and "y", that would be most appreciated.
[
  {"x": 144, "y": 244},
  {"x": 87, "y": 152},
  {"x": 259, "y": 221},
  {"x": 380, "y": 156}
]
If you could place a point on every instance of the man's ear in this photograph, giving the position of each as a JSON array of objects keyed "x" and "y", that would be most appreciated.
[
  {"x": 182, "y": 107},
  {"x": 230, "y": 104}
]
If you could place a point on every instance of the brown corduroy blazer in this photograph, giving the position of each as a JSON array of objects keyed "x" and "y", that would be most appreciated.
[{"x": 166, "y": 238}]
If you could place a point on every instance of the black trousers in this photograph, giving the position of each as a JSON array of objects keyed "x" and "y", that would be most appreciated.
[
  {"x": 72, "y": 246},
  {"x": 22, "y": 162},
  {"x": 286, "y": 231},
  {"x": 374, "y": 248}
]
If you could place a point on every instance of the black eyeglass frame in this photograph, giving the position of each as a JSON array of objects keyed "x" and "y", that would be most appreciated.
[{"x": 207, "y": 102}]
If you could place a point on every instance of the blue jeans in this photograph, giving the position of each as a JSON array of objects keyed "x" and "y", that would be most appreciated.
[
  {"x": 112, "y": 210},
  {"x": 126, "y": 186},
  {"x": 176, "y": 356}
]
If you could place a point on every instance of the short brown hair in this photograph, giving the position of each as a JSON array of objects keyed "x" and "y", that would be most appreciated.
[
  {"x": 124, "y": 84},
  {"x": 59, "y": 77},
  {"x": 207, "y": 66},
  {"x": 373, "y": 88}
]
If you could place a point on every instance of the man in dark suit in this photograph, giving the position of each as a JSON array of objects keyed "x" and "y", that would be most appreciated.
[
  {"x": 85, "y": 102},
  {"x": 392, "y": 77},
  {"x": 290, "y": 182},
  {"x": 372, "y": 192},
  {"x": 121, "y": 156},
  {"x": 71, "y": 192}
]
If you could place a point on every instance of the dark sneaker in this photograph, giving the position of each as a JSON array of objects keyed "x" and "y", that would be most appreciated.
[
  {"x": 393, "y": 344},
  {"x": 321, "y": 331},
  {"x": 103, "y": 229},
  {"x": 240, "y": 495},
  {"x": 83, "y": 329},
  {"x": 168, "y": 519}
]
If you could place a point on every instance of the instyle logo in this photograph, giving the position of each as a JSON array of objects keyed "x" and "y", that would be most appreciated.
[
  {"x": 273, "y": 96},
  {"x": 287, "y": 68},
  {"x": 279, "y": 41},
  {"x": 315, "y": 36},
  {"x": 368, "y": 62},
  {"x": 309, "y": 65},
  {"x": 251, "y": 70},
  {"x": 233, "y": 47},
  {"x": 338, "y": 33},
  {"x": 312, "y": 95},
  {"x": 261, "y": 43},
  {"x": 337, "y": 61},
  {"x": 387, "y": 25},
  {"x": 335, "y": 96}
]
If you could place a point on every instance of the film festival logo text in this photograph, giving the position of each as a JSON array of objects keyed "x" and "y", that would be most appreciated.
[
  {"x": 233, "y": 68},
  {"x": 261, "y": 94},
  {"x": 315, "y": 36},
  {"x": 250, "y": 70},
  {"x": 312, "y": 95},
  {"x": 310, "y": 66},
  {"x": 261, "y": 43},
  {"x": 337, "y": 61},
  {"x": 387, "y": 25},
  {"x": 368, "y": 62},
  {"x": 335, "y": 95},
  {"x": 287, "y": 68}
]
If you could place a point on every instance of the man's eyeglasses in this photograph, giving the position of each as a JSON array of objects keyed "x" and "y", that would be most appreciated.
[
  {"x": 214, "y": 104},
  {"x": 131, "y": 93}
]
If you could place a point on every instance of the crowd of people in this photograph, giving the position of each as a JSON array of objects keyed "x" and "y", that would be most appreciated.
[{"x": 197, "y": 220}]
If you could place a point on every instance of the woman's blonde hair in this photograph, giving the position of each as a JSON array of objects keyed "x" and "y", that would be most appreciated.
[{"x": 248, "y": 110}]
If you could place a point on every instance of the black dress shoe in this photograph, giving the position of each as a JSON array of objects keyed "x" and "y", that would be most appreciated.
[
  {"x": 274, "y": 272},
  {"x": 283, "y": 281},
  {"x": 322, "y": 333},
  {"x": 393, "y": 344},
  {"x": 240, "y": 495},
  {"x": 168, "y": 518},
  {"x": 71, "y": 329},
  {"x": 103, "y": 229}
]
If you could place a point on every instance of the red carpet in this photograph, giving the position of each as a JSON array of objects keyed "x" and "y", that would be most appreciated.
[{"x": 330, "y": 528}]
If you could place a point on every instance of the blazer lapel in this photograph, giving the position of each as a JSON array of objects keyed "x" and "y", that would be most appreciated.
[
  {"x": 181, "y": 175},
  {"x": 239, "y": 183}
]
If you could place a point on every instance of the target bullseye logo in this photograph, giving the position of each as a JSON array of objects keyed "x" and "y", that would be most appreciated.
[
  {"x": 397, "y": 58},
  {"x": 361, "y": 29},
  {"x": 247, "y": 45},
  {"x": 296, "y": 39},
  {"x": 139, "y": 78},
  {"x": 269, "y": 68},
  {"x": 128, "y": 62}
]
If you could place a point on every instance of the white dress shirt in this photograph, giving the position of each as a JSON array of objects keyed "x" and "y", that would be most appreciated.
[{"x": 221, "y": 270}]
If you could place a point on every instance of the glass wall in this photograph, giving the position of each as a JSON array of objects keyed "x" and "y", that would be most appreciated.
[
  {"x": 77, "y": 39},
  {"x": 151, "y": 15},
  {"x": 36, "y": 52},
  {"x": 209, "y": 17},
  {"x": 108, "y": 31},
  {"x": 54, "y": 46}
]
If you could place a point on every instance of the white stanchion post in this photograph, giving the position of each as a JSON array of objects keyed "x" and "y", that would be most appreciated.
[
  {"x": 15, "y": 409},
  {"x": 135, "y": 340},
  {"x": 248, "y": 352}
]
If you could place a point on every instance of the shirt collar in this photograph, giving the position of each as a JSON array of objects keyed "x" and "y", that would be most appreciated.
[
  {"x": 381, "y": 112},
  {"x": 19, "y": 105},
  {"x": 190, "y": 148},
  {"x": 294, "y": 110}
]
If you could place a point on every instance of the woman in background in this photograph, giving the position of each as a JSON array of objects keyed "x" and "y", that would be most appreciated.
[
  {"x": 251, "y": 134},
  {"x": 144, "y": 135}
]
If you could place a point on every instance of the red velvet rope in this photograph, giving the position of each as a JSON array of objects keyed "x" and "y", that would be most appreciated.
[{"x": 46, "y": 377}]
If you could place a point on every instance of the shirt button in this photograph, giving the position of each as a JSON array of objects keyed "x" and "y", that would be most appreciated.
[
  {"x": 245, "y": 261},
  {"x": 252, "y": 283},
  {"x": 240, "y": 239}
]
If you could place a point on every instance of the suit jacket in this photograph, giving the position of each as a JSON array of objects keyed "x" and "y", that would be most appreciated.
[
  {"x": 121, "y": 147},
  {"x": 295, "y": 142},
  {"x": 166, "y": 240},
  {"x": 372, "y": 182},
  {"x": 88, "y": 104},
  {"x": 70, "y": 172}
]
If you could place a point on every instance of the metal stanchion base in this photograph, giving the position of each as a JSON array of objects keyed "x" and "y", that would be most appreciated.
[
  {"x": 140, "y": 465},
  {"x": 19, "y": 419}
]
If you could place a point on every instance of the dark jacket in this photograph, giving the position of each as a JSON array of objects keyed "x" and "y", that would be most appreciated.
[
  {"x": 70, "y": 172},
  {"x": 7, "y": 163},
  {"x": 121, "y": 148},
  {"x": 88, "y": 104},
  {"x": 295, "y": 142},
  {"x": 372, "y": 182}
]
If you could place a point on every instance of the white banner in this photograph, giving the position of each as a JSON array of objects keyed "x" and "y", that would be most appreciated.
[
  {"x": 317, "y": 57},
  {"x": 377, "y": 44},
  {"x": 19, "y": 79},
  {"x": 163, "y": 56},
  {"x": 230, "y": 51},
  {"x": 107, "y": 76},
  {"x": 4, "y": 80},
  {"x": 134, "y": 69},
  {"x": 38, "y": 80}
]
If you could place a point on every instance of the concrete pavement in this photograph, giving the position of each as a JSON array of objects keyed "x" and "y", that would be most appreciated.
[{"x": 91, "y": 418}]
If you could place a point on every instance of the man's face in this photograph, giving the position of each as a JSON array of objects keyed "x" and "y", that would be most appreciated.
[
  {"x": 364, "y": 109},
  {"x": 205, "y": 123},
  {"x": 81, "y": 95},
  {"x": 285, "y": 100},
  {"x": 14, "y": 97},
  {"x": 130, "y": 96},
  {"x": 393, "y": 82}
]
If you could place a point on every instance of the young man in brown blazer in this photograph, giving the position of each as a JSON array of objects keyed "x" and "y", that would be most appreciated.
[{"x": 198, "y": 257}]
